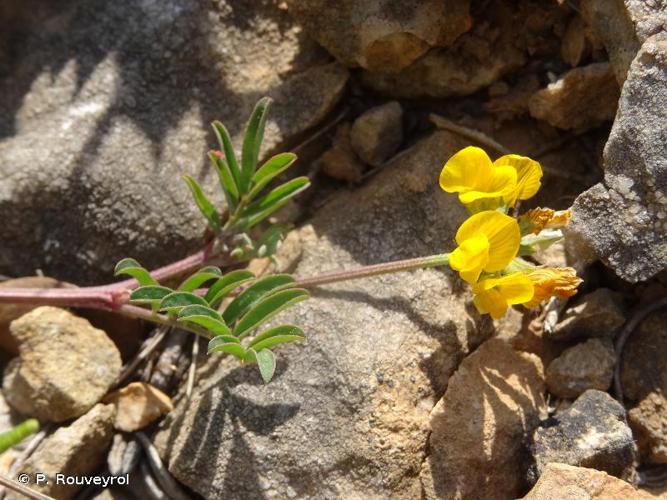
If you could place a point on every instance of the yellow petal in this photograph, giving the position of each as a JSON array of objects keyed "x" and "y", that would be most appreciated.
[
  {"x": 491, "y": 302},
  {"x": 465, "y": 170},
  {"x": 516, "y": 288},
  {"x": 529, "y": 174},
  {"x": 553, "y": 282},
  {"x": 502, "y": 233},
  {"x": 470, "y": 257}
]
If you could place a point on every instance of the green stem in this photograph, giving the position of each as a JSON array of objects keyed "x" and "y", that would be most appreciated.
[
  {"x": 18, "y": 433},
  {"x": 375, "y": 270}
]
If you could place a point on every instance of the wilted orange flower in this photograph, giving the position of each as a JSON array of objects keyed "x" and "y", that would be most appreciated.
[
  {"x": 552, "y": 282},
  {"x": 537, "y": 219}
]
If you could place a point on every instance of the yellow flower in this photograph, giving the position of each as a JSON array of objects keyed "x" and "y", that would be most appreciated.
[
  {"x": 553, "y": 282},
  {"x": 495, "y": 295},
  {"x": 487, "y": 241},
  {"x": 471, "y": 173},
  {"x": 528, "y": 176},
  {"x": 544, "y": 218}
]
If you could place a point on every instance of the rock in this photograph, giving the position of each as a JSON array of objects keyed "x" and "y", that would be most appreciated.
[
  {"x": 648, "y": 421},
  {"x": 589, "y": 365},
  {"x": 644, "y": 366},
  {"x": 117, "y": 126},
  {"x": 596, "y": 314},
  {"x": 340, "y": 162},
  {"x": 562, "y": 481},
  {"x": 476, "y": 60},
  {"x": 477, "y": 429},
  {"x": 10, "y": 312},
  {"x": 377, "y": 134},
  {"x": 623, "y": 221},
  {"x": 590, "y": 433},
  {"x": 64, "y": 368},
  {"x": 578, "y": 42},
  {"x": 347, "y": 413},
  {"x": 381, "y": 35},
  {"x": 76, "y": 450},
  {"x": 137, "y": 405},
  {"x": 580, "y": 99},
  {"x": 623, "y": 26}
]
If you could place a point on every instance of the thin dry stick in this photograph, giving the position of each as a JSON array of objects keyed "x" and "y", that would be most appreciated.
[
  {"x": 161, "y": 331},
  {"x": 167, "y": 483},
  {"x": 193, "y": 369},
  {"x": 636, "y": 319},
  {"x": 23, "y": 490}
]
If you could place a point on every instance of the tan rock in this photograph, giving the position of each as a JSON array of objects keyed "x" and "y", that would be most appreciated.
[
  {"x": 379, "y": 34},
  {"x": 588, "y": 365},
  {"x": 76, "y": 450},
  {"x": 340, "y": 161},
  {"x": 376, "y": 135},
  {"x": 567, "y": 482},
  {"x": 492, "y": 402},
  {"x": 65, "y": 365},
  {"x": 596, "y": 314},
  {"x": 137, "y": 405},
  {"x": 648, "y": 421},
  {"x": 10, "y": 312},
  {"x": 581, "y": 99}
]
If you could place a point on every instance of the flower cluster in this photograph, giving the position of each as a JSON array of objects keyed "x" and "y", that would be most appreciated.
[{"x": 491, "y": 244}]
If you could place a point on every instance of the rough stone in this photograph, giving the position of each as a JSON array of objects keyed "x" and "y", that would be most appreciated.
[
  {"x": 623, "y": 221},
  {"x": 137, "y": 405},
  {"x": 648, "y": 421},
  {"x": 347, "y": 413},
  {"x": 340, "y": 162},
  {"x": 377, "y": 134},
  {"x": 596, "y": 314},
  {"x": 117, "y": 126},
  {"x": 476, "y": 60},
  {"x": 64, "y": 368},
  {"x": 589, "y": 365},
  {"x": 580, "y": 99},
  {"x": 562, "y": 481},
  {"x": 384, "y": 35},
  {"x": 644, "y": 365},
  {"x": 476, "y": 446},
  {"x": 592, "y": 433},
  {"x": 76, "y": 450},
  {"x": 622, "y": 26},
  {"x": 10, "y": 312}
]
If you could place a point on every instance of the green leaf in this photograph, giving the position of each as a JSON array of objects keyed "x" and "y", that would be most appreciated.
[
  {"x": 150, "y": 294},
  {"x": 199, "y": 278},
  {"x": 197, "y": 310},
  {"x": 221, "y": 288},
  {"x": 205, "y": 206},
  {"x": 253, "y": 141},
  {"x": 277, "y": 198},
  {"x": 253, "y": 293},
  {"x": 212, "y": 325},
  {"x": 132, "y": 268},
  {"x": 269, "y": 239},
  {"x": 176, "y": 301},
  {"x": 220, "y": 344},
  {"x": 226, "y": 145},
  {"x": 277, "y": 335},
  {"x": 267, "y": 308},
  {"x": 227, "y": 182},
  {"x": 273, "y": 167},
  {"x": 266, "y": 361}
]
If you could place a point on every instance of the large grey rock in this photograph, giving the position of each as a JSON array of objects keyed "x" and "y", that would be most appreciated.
[
  {"x": 623, "y": 221},
  {"x": 623, "y": 25},
  {"x": 493, "y": 402},
  {"x": 347, "y": 415},
  {"x": 381, "y": 35},
  {"x": 76, "y": 450},
  {"x": 591, "y": 433},
  {"x": 107, "y": 104},
  {"x": 64, "y": 367}
]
